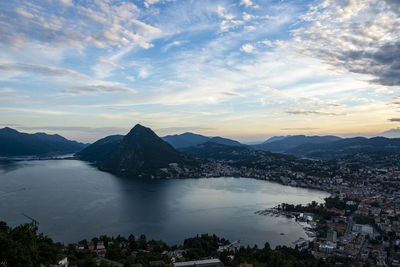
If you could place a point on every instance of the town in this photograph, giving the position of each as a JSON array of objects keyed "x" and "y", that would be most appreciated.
[{"x": 360, "y": 222}]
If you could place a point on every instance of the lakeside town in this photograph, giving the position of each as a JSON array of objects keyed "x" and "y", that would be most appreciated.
[{"x": 359, "y": 224}]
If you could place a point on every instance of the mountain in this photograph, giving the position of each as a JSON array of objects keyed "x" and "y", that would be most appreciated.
[
  {"x": 14, "y": 143},
  {"x": 185, "y": 140},
  {"x": 100, "y": 150},
  {"x": 140, "y": 152},
  {"x": 275, "y": 138},
  {"x": 392, "y": 133},
  {"x": 345, "y": 147},
  {"x": 239, "y": 156},
  {"x": 225, "y": 141},
  {"x": 190, "y": 139},
  {"x": 282, "y": 145},
  {"x": 212, "y": 150}
]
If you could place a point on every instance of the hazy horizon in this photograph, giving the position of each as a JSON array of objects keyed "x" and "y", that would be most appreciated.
[{"x": 393, "y": 133}]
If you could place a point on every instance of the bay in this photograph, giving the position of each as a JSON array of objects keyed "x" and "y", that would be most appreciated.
[{"x": 73, "y": 200}]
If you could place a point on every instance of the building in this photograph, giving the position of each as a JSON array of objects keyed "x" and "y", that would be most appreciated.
[
  {"x": 200, "y": 263},
  {"x": 331, "y": 236},
  {"x": 363, "y": 229},
  {"x": 327, "y": 248},
  {"x": 91, "y": 246}
]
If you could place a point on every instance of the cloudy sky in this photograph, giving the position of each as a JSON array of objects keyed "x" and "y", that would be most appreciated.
[{"x": 246, "y": 69}]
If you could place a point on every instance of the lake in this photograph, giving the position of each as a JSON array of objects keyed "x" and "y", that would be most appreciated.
[{"x": 73, "y": 200}]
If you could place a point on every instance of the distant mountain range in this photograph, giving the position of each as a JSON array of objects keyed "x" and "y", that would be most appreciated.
[
  {"x": 141, "y": 149},
  {"x": 392, "y": 133},
  {"x": 212, "y": 150},
  {"x": 191, "y": 139},
  {"x": 313, "y": 147},
  {"x": 140, "y": 152},
  {"x": 215, "y": 151},
  {"x": 281, "y": 144},
  {"x": 345, "y": 147},
  {"x": 14, "y": 143}
]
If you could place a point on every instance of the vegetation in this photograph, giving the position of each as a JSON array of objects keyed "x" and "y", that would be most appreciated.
[{"x": 22, "y": 246}]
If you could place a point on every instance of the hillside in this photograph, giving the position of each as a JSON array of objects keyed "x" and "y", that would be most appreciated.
[
  {"x": 345, "y": 147},
  {"x": 185, "y": 140},
  {"x": 14, "y": 143},
  {"x": 282, "y": 145},
  {"x": 100, "y": 150},
  {"x": 179, "y": 141},
  {"x": 140, "y": 152},
  {"x": 211, "y": 150}
]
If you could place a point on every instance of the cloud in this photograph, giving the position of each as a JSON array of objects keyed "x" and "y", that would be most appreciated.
[
  {"x": 224, "y": 14},
  {"x": 36, "y": 111},
  {"x": 248, "y": 48},
  {"x": 101, "y": 23},
  {"x": 311, "y": 112},
  {"x": 143, "y": 73},
  {"x": 9, "y": 124},
  {"x": 24, "y": 13},
  {"x": 315, "y": 102},
  {"x": 228, "y": 21},
  {"x": 174, "y": 43},
  {"x": 266, "y": 42},
  {"x": 6, "y": 90},
  {"x": 394, "y": 119},
  {"x": 39, "y": 69},
  {"x": 300, "y": 129},
  {"x": 230, "y": 93},
  {"x": 72, "y": 128},
  {"x": 248, "y": 3},
  {"x": 108, "y": 62},
  {"x": 95, "y": 89},
  {"x": 360, "y": 36},
  {"x": 67, "y": 2},
  {"x": 148, "y": 3}
]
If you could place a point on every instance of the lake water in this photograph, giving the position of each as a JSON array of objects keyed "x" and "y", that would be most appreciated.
[{"x": 73, "y": 201}]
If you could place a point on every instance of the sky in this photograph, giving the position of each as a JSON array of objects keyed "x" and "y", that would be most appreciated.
[{"x": 245, "y": 69}]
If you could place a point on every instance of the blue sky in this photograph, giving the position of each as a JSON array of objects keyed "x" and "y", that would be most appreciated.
[{"x": 245, "y": 69}]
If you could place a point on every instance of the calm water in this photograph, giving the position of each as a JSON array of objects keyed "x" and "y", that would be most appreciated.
[{"x": 73, "y": 201}]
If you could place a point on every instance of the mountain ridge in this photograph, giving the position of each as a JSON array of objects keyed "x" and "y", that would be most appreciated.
[
  {"x": 139, "y": 153},
  {"x": 346, "y": 147},
  {"x": 281, "y": 145},
  {"x": 14, "y": 143},
  {"x": 189, "y": 139}
]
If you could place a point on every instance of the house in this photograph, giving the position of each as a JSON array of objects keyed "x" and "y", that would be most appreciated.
[
  {"x": 101, "y": 249},
  {"x": 100, "y": 245},
  {"x": 91, "y": 246}
]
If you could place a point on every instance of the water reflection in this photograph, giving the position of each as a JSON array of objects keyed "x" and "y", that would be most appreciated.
[{"x": 73, "y": 200}]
